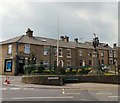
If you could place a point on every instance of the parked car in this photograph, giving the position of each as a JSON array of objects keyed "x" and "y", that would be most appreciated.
[{"x": 105, "y": 68}]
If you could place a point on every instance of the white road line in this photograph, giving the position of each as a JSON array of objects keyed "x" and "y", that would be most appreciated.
[
  {"x": 71, "y": 93},
  {"x": 28, "y": 88},
  {"x": 14, "y": 88},
  {"x": 3, "y": 88},
  {"x": 114, "y": 96},
  {"x": 41, "y": 97},
  {"x": 102, "y": 93}
]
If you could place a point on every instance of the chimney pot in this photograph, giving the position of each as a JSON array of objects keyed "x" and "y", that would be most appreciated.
[{"x": 29, "y": 32}]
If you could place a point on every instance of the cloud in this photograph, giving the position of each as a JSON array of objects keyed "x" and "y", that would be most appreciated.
[{"x": 80, "y": 19}]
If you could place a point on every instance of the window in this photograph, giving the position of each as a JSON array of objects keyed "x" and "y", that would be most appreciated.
[
  {"x": 27, "y": 49},
  {"x": 68, "y": 53},
  {"x": 68, "y": 63},
  {"x": 90, "y": 53},
  {"x": 102, "y": 61},
  {"x": 55, "y": 51},
  {"x": 110, "y": 54},
  {"x": 60, "y": 52},
  {"x": 46, "y": 63},
  {"x": 61, "y": 63},
  {"x": 102, "y": 53},
  {"x": 8, "y": 65},
  {"x": 46, "y": 50},
  {"x": 80, "y": 53},
  {"x": 90, "y": 62},
  {"x": 115, "y": 54},
  {"x": 111, "y": 61},
  {"x": 10, "y": 49}
]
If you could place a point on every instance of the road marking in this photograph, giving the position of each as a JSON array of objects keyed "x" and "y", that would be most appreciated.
[
  {"x": 3, "y": 88},
  {"x": 71, "y": 93},
  {"x": 41, "y": 97},
  {"x": 84, "y": 99},
  {"x": 103, "y": 93},
  {"x": 114, "y": 96},
  {"x": 63, "y": 92},
  {"x": 14, "y": 88},
  {"x": 28, "y": 88}
]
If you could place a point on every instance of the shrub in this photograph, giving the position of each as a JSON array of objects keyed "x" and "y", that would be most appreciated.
[
  {"x": 52, "y": 71},
  {"x": 74, "y": 71},
  {"x": 29, "y": 68},
  {"x": 79, "y": 71},
  {"x": 67, "y": 71},
  {"x": 46, "y": 71}
]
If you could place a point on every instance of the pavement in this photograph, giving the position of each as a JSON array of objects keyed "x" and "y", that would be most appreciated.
[{"x": 16, "y": 81}]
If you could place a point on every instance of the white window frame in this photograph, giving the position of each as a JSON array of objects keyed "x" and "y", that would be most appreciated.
[
  {"x": 110, "y": 53},
  {"x": 80, "y": 52},
  {"x": 68, "y": 53},
  {"x": 102, "y": 53},
  {"x": 27, "y": 48},
  {"x": 115, "y": 54},
  {"x": 10, "y": 49},
  {"x": 55, "y": 51},
  {"x": 68, "y": 62},
  {"x": 60, "y": 52},
  {"x": 46, "y": 50},
  {"x": 46, "y": 62}
]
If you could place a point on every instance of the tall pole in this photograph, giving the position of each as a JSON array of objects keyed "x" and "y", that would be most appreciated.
[{"x": 58, "y": 45}]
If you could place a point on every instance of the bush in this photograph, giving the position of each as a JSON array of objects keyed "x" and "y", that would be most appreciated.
[
  {"x": 29, "y": 68},
  {"x": 79, "y": 71},
  {"x": 52, "y": 71},
  {"x": 46, "y": 71},
  {"x": 74, "y": 71},
  {"x": 67, "y": 71}
]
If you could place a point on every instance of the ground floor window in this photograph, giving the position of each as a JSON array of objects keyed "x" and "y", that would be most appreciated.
[{"x": 8, "y": 65}]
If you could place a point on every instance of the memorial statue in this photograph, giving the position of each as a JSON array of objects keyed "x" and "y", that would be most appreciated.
[{"x": 95, "y": 42}]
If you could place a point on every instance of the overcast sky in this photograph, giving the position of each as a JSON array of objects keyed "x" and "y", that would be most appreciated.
[{"x": 76, "y": 20}]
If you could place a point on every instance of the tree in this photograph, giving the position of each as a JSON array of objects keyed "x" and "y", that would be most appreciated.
[{"x": 32, "y": 58}]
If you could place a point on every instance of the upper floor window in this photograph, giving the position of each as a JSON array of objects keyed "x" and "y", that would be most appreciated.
[
  {"x": 55, "y": 51},
  {"x": 102, "y": 53},
  {"x": 10, "y": 49},
  {"x": 60, "y": 52},
  {"x": 80, "y": 53},
  {"x": 46, "y": 50},
  {"x": 68, "y": 53},
  {"x": 27, "y": 49},
  {"x": 115, "y": 53},
  {"x": 90, "y": 53},
  {"x": 110, "y": 54}
]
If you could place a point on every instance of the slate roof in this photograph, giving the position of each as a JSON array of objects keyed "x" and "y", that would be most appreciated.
[{"x": 53, "y": 42}]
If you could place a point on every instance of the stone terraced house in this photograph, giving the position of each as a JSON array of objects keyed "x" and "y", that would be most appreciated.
[{"x": 15, "y": 52}]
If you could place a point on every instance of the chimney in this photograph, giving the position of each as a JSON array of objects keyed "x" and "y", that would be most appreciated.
[
  {"x": 114, "y": 45},
  {"x": 29, "y": 32},
  {"x": 62, "y": 38},
  {"x": 76, "y": 40},
  {"x": 66, "y": 38}
]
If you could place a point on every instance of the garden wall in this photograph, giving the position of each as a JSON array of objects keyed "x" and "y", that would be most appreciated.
[{"x": 61, "y": 80}]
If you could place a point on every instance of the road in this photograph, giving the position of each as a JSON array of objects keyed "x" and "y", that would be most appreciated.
[
  {"x": 76, "y": 92},
  {"x": 33, "y": 94}
]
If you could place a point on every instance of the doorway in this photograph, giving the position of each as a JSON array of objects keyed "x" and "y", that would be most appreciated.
[{"x": 21, "y": 63}]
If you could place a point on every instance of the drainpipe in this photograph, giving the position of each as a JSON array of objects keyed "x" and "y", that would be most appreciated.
[
  {"x": 16, "y": 61},
  {"x": 50, "y": 58}
]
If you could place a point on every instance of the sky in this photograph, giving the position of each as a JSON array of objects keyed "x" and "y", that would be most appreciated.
[{"x": 76, "y": 20}]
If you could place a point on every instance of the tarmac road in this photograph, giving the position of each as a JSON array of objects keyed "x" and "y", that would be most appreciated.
[{"x": 69, "y": 92}]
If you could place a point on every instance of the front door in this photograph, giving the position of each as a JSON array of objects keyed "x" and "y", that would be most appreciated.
[{"x": 21, "y": 63}]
